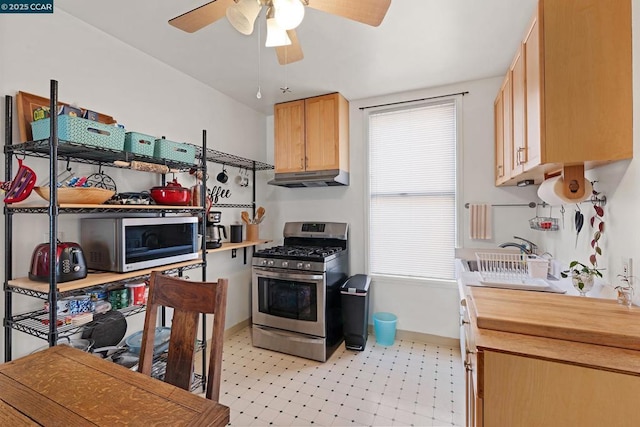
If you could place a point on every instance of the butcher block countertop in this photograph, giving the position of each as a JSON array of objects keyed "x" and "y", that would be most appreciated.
[
  {"x": 584, "y": 331},
  {"x": 572, "y": 318}
]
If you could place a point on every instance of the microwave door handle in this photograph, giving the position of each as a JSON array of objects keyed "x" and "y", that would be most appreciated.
[{"x": 291, "y": 276}]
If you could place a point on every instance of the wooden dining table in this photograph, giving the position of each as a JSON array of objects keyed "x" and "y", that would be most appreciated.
[{"x": 64, "y": 386}]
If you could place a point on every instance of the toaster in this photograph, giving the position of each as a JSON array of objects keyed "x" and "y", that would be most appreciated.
[{"x": 70, "y": 263}]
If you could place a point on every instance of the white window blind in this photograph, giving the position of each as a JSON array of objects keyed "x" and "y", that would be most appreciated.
[{"x": 412, "y": 176}]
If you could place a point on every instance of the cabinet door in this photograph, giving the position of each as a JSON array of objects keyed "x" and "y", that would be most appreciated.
[
  {"x": 289, "y": 133},
  {"x": 499, "y": 139},
  {"x": 323, "y": 132},
  {"x": 503, "y": 136},
  {"x": 588, "y": 80},
  {"x": 534, "y": 95},
  {"x": 519, "y": 156},
  {"x": 524, "y": 391}
]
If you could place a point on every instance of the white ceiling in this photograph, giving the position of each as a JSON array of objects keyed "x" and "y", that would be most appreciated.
[{"x": 420, "y": 44}]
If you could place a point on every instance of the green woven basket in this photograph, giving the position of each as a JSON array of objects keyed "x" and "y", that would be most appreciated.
[
  {"x": 177, "y": 151},
  {"x": 139, "y": 143},
  {"x": 81, "y": 131}
]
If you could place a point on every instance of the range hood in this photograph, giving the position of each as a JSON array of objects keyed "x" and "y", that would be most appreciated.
[{"x": 325, "y": 178}]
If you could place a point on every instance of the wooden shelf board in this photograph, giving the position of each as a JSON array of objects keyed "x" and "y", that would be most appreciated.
[
  {"x": 36, "y": 205},
  {"x": 229, "y": 246},
  {"x": 94, "y": 279}
]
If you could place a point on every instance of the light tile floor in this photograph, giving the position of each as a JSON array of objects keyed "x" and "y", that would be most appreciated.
[{"x": 409, "y": 383}]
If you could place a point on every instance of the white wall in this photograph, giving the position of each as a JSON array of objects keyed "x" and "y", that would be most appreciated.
[
  {"x": 99, "y": 72},
  {"x": 430, "y": 307}
]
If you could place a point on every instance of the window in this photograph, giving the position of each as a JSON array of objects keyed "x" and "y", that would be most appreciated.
[{"x": 412, "y": 191}]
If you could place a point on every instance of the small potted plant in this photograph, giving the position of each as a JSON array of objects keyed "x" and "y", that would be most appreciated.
[
  {"x": 582, "y": 276},
  {"x": 625, "y": 290}
]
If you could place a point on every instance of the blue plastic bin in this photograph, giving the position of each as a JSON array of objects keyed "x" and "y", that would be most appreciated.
[{"x": 384, "y": 327}]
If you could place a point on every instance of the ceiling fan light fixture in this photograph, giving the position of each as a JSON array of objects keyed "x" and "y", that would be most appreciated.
[
  {"x": 276, "y": 35},
  {"x": 242, "y": 15},
  {"x": 288, "y": 13}
]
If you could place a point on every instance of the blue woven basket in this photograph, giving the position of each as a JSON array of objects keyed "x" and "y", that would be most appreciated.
[
  {"x": 139, "y": 143},
  {"x": 81, "y": 131},
  {"x": 177, "y": 151}
]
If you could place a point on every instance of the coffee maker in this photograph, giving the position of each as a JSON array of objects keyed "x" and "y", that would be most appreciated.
[{"x": 215, "y": 231}]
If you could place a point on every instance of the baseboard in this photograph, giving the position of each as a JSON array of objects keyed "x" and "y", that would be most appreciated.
[
  {"x": 400, "y": 334},
  {"x": 236, "y": 328},
  {"x": 422, "y": 337}
]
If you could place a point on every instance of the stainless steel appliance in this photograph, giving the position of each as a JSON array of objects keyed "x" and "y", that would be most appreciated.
[
  {"x": 128, "y": 244},
  {"x": 215, "y": 231},
  {"x": 296, "y": 306},
  {"x": 69, "y": 263}
]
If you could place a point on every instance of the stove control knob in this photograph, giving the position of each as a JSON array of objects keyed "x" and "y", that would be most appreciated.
[
  {"x": 299, "y": 265},
  {"x": 285, "y": 264},
  {"x": 263, "y": 262},
  {"x": 307, "y": 266},
  {"x": 270, "y": 262}
]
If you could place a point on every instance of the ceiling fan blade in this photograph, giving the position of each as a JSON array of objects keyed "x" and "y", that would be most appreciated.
[
  {"x": 369, "y": 12},
  {"x": 201, "y": 16},
  {"x": 290, "y": 53}
]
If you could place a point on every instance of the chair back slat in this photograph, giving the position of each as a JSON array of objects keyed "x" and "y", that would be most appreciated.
[{"x": 188, "y": 300}]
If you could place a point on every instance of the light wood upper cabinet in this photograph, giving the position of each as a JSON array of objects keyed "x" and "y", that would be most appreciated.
[
  {"x": 289, "y": 128},
  {"x": 312, "y": 134},
  {"x": 519, "y": 156},
  {"x": 577, "y": 93},
  {"x": 532, "y": 60},
  {"x": 504, "y": 138}
]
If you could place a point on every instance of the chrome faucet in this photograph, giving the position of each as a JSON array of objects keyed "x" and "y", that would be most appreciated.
[{"x": 527, "y": 247}]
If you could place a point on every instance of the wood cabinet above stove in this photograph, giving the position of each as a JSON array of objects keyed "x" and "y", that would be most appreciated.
[{"x": 312, "y": 135}]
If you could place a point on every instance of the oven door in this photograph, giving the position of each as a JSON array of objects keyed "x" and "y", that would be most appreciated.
[{"x": 290, "y": 301}]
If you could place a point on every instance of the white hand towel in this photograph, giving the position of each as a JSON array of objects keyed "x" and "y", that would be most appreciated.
[{"x": 480, "y": 221}]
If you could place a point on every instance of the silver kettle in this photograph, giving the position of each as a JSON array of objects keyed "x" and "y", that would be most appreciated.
[{"x": 215, "y": 234}]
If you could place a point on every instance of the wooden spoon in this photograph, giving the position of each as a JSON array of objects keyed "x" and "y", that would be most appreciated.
[
  {"x": 259, "y": 215},
  {"x": 245, "y": 217}
]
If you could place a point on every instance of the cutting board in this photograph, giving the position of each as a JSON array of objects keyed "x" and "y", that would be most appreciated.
[{"x": 572, "y": 318}]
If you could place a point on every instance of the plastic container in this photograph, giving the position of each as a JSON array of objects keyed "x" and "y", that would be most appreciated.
[
  {"x": 139, "y": 143},
  {"x": 538, "y": 267},
  {"x": 81, "y": 131},
  {"x": 136, "y": 293},
  {"x": 165, "y": 149},
  {"x": 384, "y": 327}
]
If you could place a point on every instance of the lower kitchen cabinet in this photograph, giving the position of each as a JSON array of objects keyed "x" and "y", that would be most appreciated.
[
  {"x": 526, "y": 391},
  {"x": 544, "y": 359}
]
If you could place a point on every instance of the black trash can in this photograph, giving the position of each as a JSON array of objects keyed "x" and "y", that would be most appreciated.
[{"x": 355, "y": 311}]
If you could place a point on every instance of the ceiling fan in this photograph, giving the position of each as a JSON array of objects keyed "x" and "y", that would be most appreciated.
[{"x": 283, "y": 16}]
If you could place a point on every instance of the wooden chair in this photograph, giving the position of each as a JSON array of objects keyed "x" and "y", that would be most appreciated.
[{"x": 188, "y": 299}]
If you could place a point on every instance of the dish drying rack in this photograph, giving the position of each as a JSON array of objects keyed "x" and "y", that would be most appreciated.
[{"x": 502, "y": 266}]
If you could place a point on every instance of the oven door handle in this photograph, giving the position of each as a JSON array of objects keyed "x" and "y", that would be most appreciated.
[{"x": 292, "y": 276}]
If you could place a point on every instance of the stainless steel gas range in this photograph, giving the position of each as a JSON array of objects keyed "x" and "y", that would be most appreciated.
[{"x": 296, "y": 290}]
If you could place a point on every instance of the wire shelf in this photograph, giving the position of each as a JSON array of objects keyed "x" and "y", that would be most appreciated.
[
  {"x": 36, "y": 323},
  {"x": 87, "y": 154},
  {"x": 544, "y": 223},
  {"x": 226, "y": 159}
]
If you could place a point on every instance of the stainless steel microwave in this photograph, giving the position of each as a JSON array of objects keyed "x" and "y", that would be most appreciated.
[{"x": 128, "y": 244}]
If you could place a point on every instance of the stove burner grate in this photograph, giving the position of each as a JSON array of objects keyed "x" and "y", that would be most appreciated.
[{"x": 319, "y": 252}]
